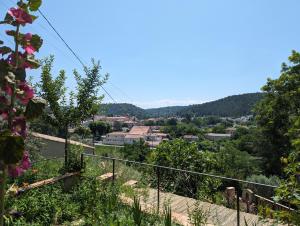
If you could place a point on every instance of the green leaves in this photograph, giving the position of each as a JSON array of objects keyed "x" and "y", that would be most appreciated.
[
  {"x": 34, "y": 63},
  {"x": 36, "y": 42},
  {"x": 11, "y": 148},
  {"x": 34, "y": 5},
  {"x": 35, "y": 108},
  {"x": 5, "y": 50}
]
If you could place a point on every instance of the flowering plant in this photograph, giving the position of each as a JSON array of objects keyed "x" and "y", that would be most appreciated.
[{"x": 17, "y": 101}]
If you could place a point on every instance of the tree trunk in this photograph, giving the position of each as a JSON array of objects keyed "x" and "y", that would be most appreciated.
[
  {"x": 66, "y": 144},
  {"x": 93, "y": 136}
]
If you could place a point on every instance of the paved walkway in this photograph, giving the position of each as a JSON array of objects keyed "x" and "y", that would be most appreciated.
[{"x": 180, "y": 206}]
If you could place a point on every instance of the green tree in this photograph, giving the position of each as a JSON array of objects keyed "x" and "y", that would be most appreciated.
[
  {"x": 99, "y": 128},
  {"x": 275, "y": 115},
  {"x": 181, "y": 154},
  {"x": 70, "y": 109},
  {"x": 82, "y": 131},
  {"x": 289, "y": 189},
  {"x": 138, "y": 151}
]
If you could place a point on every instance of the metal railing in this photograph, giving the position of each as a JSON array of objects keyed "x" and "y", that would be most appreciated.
[{"x": 159, "y": 168}]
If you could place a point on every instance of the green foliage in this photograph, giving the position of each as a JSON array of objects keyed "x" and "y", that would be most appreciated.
[
  {"x": 232, "y": 106},
  {"x": 181, "y": 129},
  {"x": 208, "y": 189},
  {"x": 275, "y": 115},
  {"x": 122, "y": 109},
  {"x": 234, "y": 163},
  {"x": 80, "y": 106},
  {"x": 182, "y": 155},
  {"x": 15, "y": 145},
  {"x": 262, "y": 179},
  {"x": 99, "y": 128},
  {"x": 220, "y": 128},
  {"x": 197, "y": 215},
  {"x": 35, "y": 108},
  {"x": 82, "y": 131},
  {"x": 74, "y": 159},
  {"x": 137, "y": 211},
  {"x": 167, "y": 215},
  {"x": 138, "y": 151}
]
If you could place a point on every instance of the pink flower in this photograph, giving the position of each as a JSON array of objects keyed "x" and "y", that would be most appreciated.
[
  {"x": 26, "y": 164},
  {"x": 27, "y": 37},
  {"x": 28, "y": 93},
  {"x": 19, "y": 126},
  {"x": 29, "y": 49},
  {"x": 18, "y": 170},
  {"x": 8, "y": 90},
  {"x": 15, "y": 171},
  {"x": 4, "y": 115},
  {"x": 20, "y": 16}
]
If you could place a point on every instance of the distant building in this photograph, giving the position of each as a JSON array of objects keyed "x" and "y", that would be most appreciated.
[
  {"x": 230, "y": 130},
  {"x": 115, "y": 138},
  {"x": 136, "y": 134},
  {"x": 217, "y": 136},
  {"x": 191, "y": 138},
  {"x": 123, "y": 120}
]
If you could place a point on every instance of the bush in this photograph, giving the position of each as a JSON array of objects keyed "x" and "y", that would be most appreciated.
[{"x": 263, "y": 190}]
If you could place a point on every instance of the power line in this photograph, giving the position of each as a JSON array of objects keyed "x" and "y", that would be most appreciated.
[
  {"x": 71, "y": 50},
  {"x": 61, "y": 38}
]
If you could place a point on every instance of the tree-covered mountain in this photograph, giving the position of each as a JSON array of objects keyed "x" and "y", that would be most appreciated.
[
  {"x": 164, "y": 111},
  {"x": 122, "y": 109},
  {"x": 234, "y": 106},
  {"x": 231, "y": 106}
]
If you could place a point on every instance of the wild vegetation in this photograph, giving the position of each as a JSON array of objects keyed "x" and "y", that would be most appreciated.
[{"x": 265, "y": 149}]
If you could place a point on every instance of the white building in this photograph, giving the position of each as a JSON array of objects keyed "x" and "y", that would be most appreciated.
[
  {"x": 191, "y": 138},
  {"x": 136, "y": 134},
  {"x": 217, "y": 136},
  {"x": 115, "y": 138}
]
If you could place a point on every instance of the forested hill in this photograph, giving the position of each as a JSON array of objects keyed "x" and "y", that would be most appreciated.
[
  {"x": 234, "y": 106},
  {"x": 122, "y": 109},
  {"x": 231, "y": 106},
  {"x": 164, "y": 111}
]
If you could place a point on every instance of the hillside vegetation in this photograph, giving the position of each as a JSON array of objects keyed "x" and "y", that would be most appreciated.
[{"x": 234, "y": 106}]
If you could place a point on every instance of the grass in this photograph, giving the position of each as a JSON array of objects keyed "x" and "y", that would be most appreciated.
[{"x": 89, "y": 201}]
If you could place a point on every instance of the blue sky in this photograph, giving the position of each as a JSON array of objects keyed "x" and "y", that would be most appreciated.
[{"x": 170, "y": 52}]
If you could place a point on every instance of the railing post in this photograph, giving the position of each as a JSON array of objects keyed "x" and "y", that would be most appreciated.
[
  {"x": 238, "y": 206},
  {"x": 114, "y": 170},
  {"x": 158, "y": 186}
]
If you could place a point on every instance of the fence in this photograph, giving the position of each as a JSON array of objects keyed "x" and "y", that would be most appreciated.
[{"x": 161, "y": 170}]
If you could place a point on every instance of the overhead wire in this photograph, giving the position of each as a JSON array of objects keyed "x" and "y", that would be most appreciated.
[{"x": 71, "y": 50}]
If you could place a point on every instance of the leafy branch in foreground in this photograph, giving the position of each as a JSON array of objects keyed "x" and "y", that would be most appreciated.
[{"x": 70, "y": 109}]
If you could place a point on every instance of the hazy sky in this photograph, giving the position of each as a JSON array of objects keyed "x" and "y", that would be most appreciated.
[{"x": 170, "y": 52}]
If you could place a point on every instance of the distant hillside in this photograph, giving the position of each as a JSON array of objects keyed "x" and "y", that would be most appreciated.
[
  {"x": 234, "y": 106},
  {"x": 164, "y": 111},
  {"x": 123, "y": 109}
]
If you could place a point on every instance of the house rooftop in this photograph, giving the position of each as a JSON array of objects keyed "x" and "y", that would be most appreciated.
[{"x": 140, "y": 130}]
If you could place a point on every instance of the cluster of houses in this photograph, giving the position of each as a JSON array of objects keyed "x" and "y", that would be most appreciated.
[{"x": 146, "y": 133}]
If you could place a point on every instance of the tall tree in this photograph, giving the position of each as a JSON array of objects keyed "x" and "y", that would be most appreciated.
[
  {"x": 70, "y": 109},
  {"x": 276, "y": 112},
  {"x": 99, "y": 128}
]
